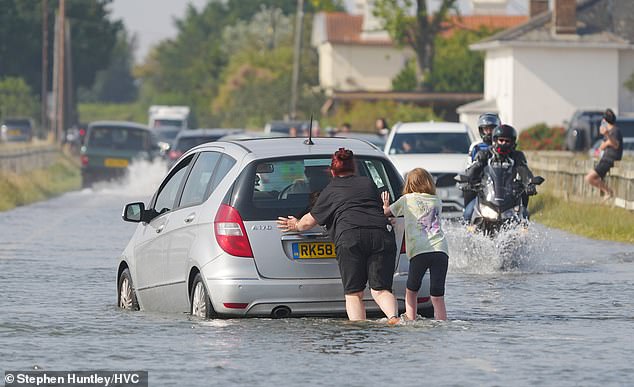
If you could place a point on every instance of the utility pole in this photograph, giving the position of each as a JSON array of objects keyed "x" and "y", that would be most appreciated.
[
  {"x": 61, "y": 103},
  {"x": 44, "y": 97},
  {"x": 299, "y": 21}
]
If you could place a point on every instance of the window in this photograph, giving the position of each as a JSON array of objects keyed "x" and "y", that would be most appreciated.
[
  {"x": 224, "y": 166},
  {"x": 199, "y": 177},
  {"x": 289, "y": 186},
  {"x": 169, "y": 189},
  {"x": 430, "y": 143}
]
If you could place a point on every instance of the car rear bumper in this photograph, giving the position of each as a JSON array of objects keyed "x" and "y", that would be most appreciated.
[{"x": 315, "y": 297}]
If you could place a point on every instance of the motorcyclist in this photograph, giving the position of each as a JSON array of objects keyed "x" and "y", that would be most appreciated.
[
  {"x": 486, "y": 123},
  {"x": 504, "y": 141}
]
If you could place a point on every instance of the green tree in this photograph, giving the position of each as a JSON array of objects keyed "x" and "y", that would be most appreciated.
[
  {"x": 256, "y": 84},
  {"x": 16, "y": 99},
  {"x": 456, "y": 68},
  {"x": 93, "y": 36},
  {"x": 418, "y": 31},
  {"x": 406, "y": 79},
  {"x": 115, "y": 84},
  {"x": 192, "y": 68}
]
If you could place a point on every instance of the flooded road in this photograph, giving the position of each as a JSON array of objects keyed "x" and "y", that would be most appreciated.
[{"x": 564, "y": 317}]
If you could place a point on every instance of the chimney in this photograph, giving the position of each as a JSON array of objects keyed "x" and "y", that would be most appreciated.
[
  {"x": 536, "y": 7},
  {"x": 565, "y": 16}
]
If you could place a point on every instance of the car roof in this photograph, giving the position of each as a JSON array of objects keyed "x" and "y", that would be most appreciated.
[
  {"x": 261, "y": 148},
  {"x": 204, "y": 132},
  {"x": 430, "y": 127},
  {"x": 120, "y": 124}
]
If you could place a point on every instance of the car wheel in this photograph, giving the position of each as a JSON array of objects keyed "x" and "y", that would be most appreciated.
[
  {"x": 200, "y": 303},
  {"x": 126, "y": 297}
]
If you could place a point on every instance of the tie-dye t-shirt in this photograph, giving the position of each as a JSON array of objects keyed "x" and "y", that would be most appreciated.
[{"x": 423, "y": 233}]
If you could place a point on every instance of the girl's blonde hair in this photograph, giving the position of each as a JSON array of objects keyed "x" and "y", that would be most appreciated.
[{"x": 419, "y": 180}]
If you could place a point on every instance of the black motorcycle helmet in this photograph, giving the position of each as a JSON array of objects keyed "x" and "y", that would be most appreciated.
[
  {"x": 508, "y": 133},
  {"x": 487, "y": 120}
]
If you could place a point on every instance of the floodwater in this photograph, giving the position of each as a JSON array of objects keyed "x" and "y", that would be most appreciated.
[{"x": 564, "y": 316}]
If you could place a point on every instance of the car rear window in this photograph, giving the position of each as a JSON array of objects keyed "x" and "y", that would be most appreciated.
[
  {"x": 429, "y": 143},
  {"x": 118, "y": 138},
  {"x": 184, "y": 144},
  {"x": 22, "y": 124},
  {"x": 270, "y": 188}
]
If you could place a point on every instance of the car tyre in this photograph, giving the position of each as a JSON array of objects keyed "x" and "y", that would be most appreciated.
[
  {"x": 126, "y": 296},
  {"x": 200, "y": 303}
]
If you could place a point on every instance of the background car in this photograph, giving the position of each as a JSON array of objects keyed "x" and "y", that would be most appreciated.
[
  {"x": 16, "y": 129},
  {"x": 284, "y": 127},
  {"x": 439, "y": 147},
  {"x": 208, "y": 241},
  {"x": 167, "y": 134},
  {"x": 111, "y": 146},
  {"x": 583, "y": 129},
  {"x": 626, "y": 126},
  {"x": 189, "y": 138},
  {"x": 375, "y": 139}
]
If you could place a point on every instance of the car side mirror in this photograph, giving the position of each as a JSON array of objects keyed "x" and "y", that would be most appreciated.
[
  {"x": 537, "y": 180},
  {"x": 134, "y": 212}
]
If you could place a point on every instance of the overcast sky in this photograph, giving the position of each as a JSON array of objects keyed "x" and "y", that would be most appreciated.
[{"x": 153, "y": 20}]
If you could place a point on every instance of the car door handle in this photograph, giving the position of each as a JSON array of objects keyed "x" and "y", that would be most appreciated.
[
  {"x": 160, "y": 228},
  {"x": 190, "y": 218}
]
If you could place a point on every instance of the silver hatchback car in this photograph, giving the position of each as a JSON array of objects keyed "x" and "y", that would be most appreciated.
[{"x": 208, "y": 243}]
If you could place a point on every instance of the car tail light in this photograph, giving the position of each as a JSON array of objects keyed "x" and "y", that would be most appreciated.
[
  {"x": 403, "y": 245},
  {"x": 421, "y": 300},
  {"x": 235, "y": 305},
  {"x": 173, "y": 155},
  {"x": 230, "y": 232},
  {"x": 84, "y": 160}
]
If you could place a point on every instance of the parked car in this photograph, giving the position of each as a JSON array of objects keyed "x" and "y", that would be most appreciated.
[
  {"x": 208, "y": 242},
  {"x": 187, "y": 139},
  {"x": 111, "y": 146},
  {"x": 628, "y": 148},
  {"x": 626, "y": 126},
  {"x": 583, "y": 129},
  {"x": 16, "y": 129},
  {"x": 439, "y": 147}
]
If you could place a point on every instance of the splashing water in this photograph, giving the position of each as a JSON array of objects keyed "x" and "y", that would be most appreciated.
[
  {"x": 142, "y": 180},
  {"x": 515, "y": 249}
]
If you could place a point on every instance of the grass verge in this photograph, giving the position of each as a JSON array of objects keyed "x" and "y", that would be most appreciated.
[
  {"x": 594, "y": 221},
  {"x": 17, "y": 190}
]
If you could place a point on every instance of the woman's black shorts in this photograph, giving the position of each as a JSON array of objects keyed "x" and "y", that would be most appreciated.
[
  {"x": 366, "y": 255},
  {"x": 437, "y": 263},
  {"x": 603, "y": 166}
]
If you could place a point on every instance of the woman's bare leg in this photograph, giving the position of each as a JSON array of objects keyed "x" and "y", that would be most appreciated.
[{"x": 355, "y": 307}]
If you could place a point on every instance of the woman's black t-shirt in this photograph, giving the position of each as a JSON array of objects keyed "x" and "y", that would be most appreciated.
[{"x": 349, "y": 202}]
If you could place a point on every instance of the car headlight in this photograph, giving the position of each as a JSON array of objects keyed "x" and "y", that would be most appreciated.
[{"x": 488, "y": 212}]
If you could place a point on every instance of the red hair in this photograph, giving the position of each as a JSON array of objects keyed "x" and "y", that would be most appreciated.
[{"x": 342, "y": 162}]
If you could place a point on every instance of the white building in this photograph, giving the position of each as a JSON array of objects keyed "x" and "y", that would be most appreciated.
[
  {"x": 578, "y": 55},
  {"x": 356, "y": 54}
]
